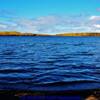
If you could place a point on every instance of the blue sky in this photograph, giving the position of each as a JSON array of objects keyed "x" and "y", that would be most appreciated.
[{"x": 50, "y": 16}]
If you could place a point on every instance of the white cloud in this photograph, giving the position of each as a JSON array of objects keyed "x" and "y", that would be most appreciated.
[
  {"x": 95, "y": 18},
  {"x": 52, "y": 24},
  {"x": 97, "y": 25},
  {"x": 46, "y": 20},
  {"x": 3, "y": 26}
]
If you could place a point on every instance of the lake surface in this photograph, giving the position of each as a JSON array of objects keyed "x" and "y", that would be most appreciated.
[{"x": 49, "y": 63}]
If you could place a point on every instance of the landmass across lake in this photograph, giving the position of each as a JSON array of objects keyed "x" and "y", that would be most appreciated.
[{"x": 14, "y": 33}]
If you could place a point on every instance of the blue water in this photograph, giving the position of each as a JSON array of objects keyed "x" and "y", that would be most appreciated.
[{"x": 49, "y": 63}]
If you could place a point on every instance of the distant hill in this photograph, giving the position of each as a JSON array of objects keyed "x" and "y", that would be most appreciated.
[
  {"x": 79, "y": 34},
  {"x": 14, "y": 33}
]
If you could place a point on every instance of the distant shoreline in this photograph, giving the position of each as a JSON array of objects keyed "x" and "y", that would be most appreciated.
[{"x": 14, "y": 33}]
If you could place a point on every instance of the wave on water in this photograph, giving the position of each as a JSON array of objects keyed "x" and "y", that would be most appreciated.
[{"x": 45, "y": 61}]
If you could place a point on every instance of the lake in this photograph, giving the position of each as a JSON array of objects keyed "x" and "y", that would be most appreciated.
[{"x": 49, "y": 63}]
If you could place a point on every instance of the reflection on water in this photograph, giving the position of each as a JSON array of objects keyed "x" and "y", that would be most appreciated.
[{"x": 30, "y": 61}]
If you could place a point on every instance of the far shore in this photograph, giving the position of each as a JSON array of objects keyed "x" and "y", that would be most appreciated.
[{"x": 14, "y": 33}]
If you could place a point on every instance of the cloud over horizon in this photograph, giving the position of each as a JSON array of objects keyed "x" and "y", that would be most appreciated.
[{"x": 50, "y": 24}]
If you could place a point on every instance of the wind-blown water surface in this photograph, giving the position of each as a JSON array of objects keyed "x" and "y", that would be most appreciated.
[{"x": 49, "y": 63}]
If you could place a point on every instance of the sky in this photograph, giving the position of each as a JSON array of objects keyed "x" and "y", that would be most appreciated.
[{"x": 50, "y": 16}]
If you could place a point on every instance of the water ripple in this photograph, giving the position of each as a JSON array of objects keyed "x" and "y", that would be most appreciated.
[{"x": 29, "y": 61}]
